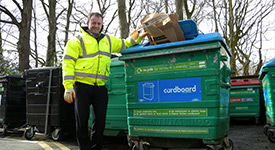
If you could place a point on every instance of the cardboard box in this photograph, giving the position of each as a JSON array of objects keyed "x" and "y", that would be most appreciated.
[{"x": 162, "y": 28}]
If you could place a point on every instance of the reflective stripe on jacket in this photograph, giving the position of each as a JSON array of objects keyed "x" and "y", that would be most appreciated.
[{"x": 87, "y": 59}]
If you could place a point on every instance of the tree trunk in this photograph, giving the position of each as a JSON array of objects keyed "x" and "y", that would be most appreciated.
[
  {"x": 1, "y": 51},
  {"x": 231, "y": 38},
  {"x": 124, "y": 29},
  {"x": 35, "y": 36},
  {"x": 179, "y": 9},
  {"x": 69, "y": 13},
  {"x": 50, "y": 60},
  {"x": 166, "y": 6},
  {"x": 187, "y": 12},
  {"x": 215, "y": 16},
  {"x": 23, "y": 44}
]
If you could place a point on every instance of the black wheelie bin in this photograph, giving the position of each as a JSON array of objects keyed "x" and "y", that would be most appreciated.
[
  {"x": 47, "y": 112},
  {"x": 12, "y": 103}
]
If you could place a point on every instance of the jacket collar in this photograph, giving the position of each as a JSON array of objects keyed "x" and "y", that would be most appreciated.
[{"x": 84, "y": 30}]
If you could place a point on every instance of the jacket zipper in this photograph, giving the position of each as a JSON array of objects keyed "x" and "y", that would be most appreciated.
[{"x": 98, "y": 63}]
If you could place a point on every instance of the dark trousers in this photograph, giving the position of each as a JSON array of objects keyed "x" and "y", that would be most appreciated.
[{"x": 97, "y": 97}]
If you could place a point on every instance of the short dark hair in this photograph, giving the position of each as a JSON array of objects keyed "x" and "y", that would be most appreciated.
[{"x": 94, "y": 14}]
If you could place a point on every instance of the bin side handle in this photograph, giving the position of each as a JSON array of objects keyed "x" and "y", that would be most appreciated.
[{"x": 48, "y": 102}]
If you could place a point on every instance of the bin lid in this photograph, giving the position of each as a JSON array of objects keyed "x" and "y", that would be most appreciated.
[
  {"x": 234, "y": 82},
  {"x": 44, "y": 68},
  {"x": 201, "y": 38},
  {"x": 271, "y": 63},
  {"x": 189, "y": 28}
]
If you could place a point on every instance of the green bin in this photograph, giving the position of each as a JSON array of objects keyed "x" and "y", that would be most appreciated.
[
  {"x": 116, "y": 119},
  {"x": 245, "y": 99},
  {"x": 267, "y": 75},
  {"x": 178, "y": 93}
]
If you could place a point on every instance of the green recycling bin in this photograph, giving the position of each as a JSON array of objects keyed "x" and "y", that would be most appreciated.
[
  {"x": 245, "y": 99},
  {"x": 116, "y": 119},
  {"x": 267, "y": 75},
  {"x": 178, "y": 93}
]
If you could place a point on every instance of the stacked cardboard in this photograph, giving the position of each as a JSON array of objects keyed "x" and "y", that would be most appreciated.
[{"x": 162, "y": 28}]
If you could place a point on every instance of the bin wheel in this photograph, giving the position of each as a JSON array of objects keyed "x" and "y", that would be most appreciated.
[
  {"x": 130, "y": 142},
  {"x": 29, "y": 133},
  {"x": 56, "y": 134},
  {"x": 265, "y": 130},
  {"x": 146, "y": 147},
  {"x": 271, "y": 137},
  {"x": 230, "y": 147},
  {"x": 211, "y": 147},
  {"x": 134, "y": 147}
]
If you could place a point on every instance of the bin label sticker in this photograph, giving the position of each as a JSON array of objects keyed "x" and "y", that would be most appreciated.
[
  {"x": 246, "y": 114},
  {"x": 246, "y": 99},
  {"x": 174, "y": 90},
  {"x": 241, "y": 108},
  {"x": 193, "y": 112},
  {"x": 264, "y": 83},
  {"x": 266, "y": 96},
  {"x": 268, "y": 109},
  {"x": 243, "y": 92},
  {"x": 233, "y": 100},
  {"x": 172, "y": 130},
  {"x": 174, "y": 67}
]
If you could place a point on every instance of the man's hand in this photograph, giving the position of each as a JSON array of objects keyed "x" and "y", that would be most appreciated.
[
  {"x": 134, "y": 34},
  {"x": 69, "y": 94},
  {"x": 143, "y": 34},
  {"x": 137, "y": 33}
]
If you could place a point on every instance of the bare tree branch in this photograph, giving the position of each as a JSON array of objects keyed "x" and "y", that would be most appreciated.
[{"x": 7, "y": 12}]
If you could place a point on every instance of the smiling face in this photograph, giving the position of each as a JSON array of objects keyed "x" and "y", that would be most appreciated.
[{"x": 94, "y": 25}]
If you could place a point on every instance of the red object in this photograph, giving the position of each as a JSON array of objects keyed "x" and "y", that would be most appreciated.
[
  {"x": 244, "y": 82},
  {"x": 232, "y": 100}
]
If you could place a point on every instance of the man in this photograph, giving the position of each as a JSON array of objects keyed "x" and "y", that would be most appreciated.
[{"x": 86, "y": 67}]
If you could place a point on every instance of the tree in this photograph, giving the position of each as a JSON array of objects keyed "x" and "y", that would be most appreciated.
[
  {"x": 23, "y": 24},
  {"x": 69, "y": 13},
  {"x": 123, "y": 23},
  {"x": 1, "y": 51},
  {"x": 194, "y": 9},
  {"x": 241, "y": 24},
  {"x": 186, "y": 8},
  {"x": 52, "y": 19},
  {"x": 35, "y": 36},
  {"x": 179, "y": 9}
]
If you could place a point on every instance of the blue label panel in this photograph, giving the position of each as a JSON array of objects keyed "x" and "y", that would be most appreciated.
[
  {"x": 174, "y": 90},
  {"x": 266, "y": 96}
]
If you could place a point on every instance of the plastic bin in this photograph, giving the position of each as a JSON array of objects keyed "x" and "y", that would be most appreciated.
[
  {"x": 267, "y": 75},
  {"x": 116, "y": 119},
  {"x": 12, "y": 103},
  {"x": 245, "y": 99},
  {"x": 189, "y": 29},
  {"x": 178, "y": 93},
  {"x": 47, "y": 112}
]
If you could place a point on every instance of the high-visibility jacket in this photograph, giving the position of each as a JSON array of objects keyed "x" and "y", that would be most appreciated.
[{"x": 87, "y": 59}]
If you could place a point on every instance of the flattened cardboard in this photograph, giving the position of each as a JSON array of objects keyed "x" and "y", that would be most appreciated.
[{"x": 162, "y": 28}]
